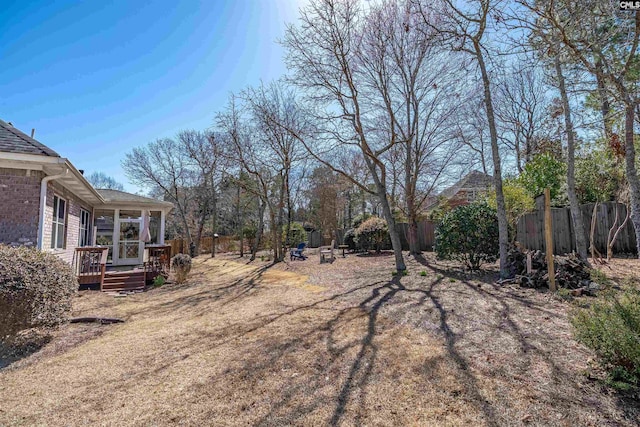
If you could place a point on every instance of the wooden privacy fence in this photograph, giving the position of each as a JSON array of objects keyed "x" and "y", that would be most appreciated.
[
  {"x": 426, "y": 236},
  {"x": 530, "y": 229},
  {"x": 223, "y": 244}
]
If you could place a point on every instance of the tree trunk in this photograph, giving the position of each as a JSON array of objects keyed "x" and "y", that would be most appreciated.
[
  {"x": 240, "y": 222},
  {"x": 274, "y": 242},
  {"x": 214, "y": 217},
  {"x": 258, "y": 239},
  {"x": 289, "y": 210},
  {"x": 388, "y": 216},
  {"x": 632, "y": 173},
  {"x": 186, "y": 225},
  {"x": 604, "y": 102},
  {"x": 280, "y": 219},
  {"x": 414, "y": 248},
  {"x": 503, "y": 227},
  {"x": 576, "y": 215}
]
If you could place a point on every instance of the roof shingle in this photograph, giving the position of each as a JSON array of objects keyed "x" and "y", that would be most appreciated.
[
  {"x": 116, "y": 196},
  {"x": 12, "y": 140}
]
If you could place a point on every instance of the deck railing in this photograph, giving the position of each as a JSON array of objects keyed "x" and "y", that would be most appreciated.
[
  {"x": 157, "y": 261},
  {"x": 89, "y": 264}
]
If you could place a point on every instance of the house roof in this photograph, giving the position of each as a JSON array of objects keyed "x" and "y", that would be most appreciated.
[
  {"x": 474, "y": 180},
  {"x": 17, "y": 150},
  {"x": 118, "y": 197},
  {"x": 13, "y": 140}
]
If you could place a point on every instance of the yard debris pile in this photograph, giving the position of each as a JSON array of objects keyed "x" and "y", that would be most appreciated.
[{"x": 571, "y": 272}]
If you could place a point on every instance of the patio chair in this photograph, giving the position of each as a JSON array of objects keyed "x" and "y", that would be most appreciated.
[
  {"x": 326, "y": 252},
  {"x": 297, "y": 253}
]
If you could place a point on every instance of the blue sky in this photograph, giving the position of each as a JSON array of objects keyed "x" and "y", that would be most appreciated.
[{"x": 96, "y": 78}]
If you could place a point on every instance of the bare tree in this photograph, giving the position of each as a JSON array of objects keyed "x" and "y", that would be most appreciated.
[
  {"x": 273, "y": 110},
  {"x": 326, "y": 53},
  {"x": 163, "y": 165},
  {"x": 466, "y": 31},
  {"x": 204, "y": 153},
  {"x": 521, "y": 109},
  {"x": 412, "y": 82},
  {"x": 243, "y": 151},
  {"x": 104, "y": 181}
]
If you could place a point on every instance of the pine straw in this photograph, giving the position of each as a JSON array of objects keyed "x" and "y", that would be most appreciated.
[{"x": 308, "y": 344}]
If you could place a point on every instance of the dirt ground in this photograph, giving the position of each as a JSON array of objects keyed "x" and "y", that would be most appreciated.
[{"x": 303, "y": 343}]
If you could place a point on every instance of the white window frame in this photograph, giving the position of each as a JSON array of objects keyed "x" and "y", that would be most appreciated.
[
  {"x": 55, "y": 223},
  {"x": 86, "y": 230}
]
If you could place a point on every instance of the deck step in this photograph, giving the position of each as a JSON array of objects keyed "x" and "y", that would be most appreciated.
[
  {"x": 122, "y": 286},
  {"x": 123, "y": 281}
]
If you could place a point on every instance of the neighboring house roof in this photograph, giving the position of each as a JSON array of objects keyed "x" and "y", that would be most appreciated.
[
  {"x": 474, "y": 180},
  {"x": 118, "y": 197},
  {"x": 13, "y": 140}
]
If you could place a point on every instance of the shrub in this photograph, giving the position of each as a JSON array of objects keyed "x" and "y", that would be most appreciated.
[
  {"x": 372, "y": 233},
  {"x": 544, "y": 170},
  {"x": 250, "y": 232},
  {"x": 469, "y": 234},
  {"x": 350, "y": 238},
  {"x": 181, "y": 266},
  {"x": 611, "y": 328},
  {"x": 517, "y": 202},
  {"x": 440, "y": 210},
  {"x": 36, "y": 289},
  {"x": 359, "y": 219},
  {"x": 297, "y": 235},
  {"x": 159, "y": 281}
]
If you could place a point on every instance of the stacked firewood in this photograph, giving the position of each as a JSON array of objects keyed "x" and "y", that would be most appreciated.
[{"x": 529, "y": 269}]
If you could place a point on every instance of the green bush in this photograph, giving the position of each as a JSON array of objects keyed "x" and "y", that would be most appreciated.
[
  {"x": 372, "y": 233},
  {"x": 611, "y": 328},
  {"x": 181, "y": 266},
  {"x": 438, "y": 212},
  {"x": 297, "y": 235},
  {"x": 469, "y": 234},
  {"x": 250, "y": 232},
  {"x": 517, "y": 203},
  {"x": 36, "y": 289},
  {"x": 159, "y": 281},
  {"x": 544, "y": 170},
  {"x": 350, "y": 238}
]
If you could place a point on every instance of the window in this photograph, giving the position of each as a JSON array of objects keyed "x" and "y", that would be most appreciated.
[
  {"x": 471, "y": 196},
  {"x": 57, "y": 229},
  {"x": 104, "y": 222},
  {"x": 154, "y": 226},
  {"x": 85, "y": 228}
]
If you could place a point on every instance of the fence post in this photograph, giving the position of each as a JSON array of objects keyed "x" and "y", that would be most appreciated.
[{"x": 548, "y": 237}]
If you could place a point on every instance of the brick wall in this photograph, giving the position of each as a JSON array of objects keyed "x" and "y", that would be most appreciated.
[
  {"x": 19, "y": 206},
  {"x": 72, "y": 228}
]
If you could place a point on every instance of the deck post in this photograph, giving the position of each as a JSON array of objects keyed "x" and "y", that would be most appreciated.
[{"x": 163, "y": 215}]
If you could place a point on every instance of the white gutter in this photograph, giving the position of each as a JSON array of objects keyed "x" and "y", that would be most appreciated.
[{"x": 43, "y": 204}]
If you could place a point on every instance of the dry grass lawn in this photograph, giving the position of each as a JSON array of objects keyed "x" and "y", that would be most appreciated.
[{"x": 309, "y": 344}]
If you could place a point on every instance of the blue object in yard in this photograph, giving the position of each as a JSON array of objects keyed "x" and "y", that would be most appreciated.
[{"x": 297, "y": 253}]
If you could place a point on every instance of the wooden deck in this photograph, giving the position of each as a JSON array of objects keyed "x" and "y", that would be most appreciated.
[{"x": 90, "y": 266}]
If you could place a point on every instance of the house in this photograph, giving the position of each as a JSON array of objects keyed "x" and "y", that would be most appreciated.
[
  {"x": 47, "y": 203},
  {"x": 467, "y": 190}
]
